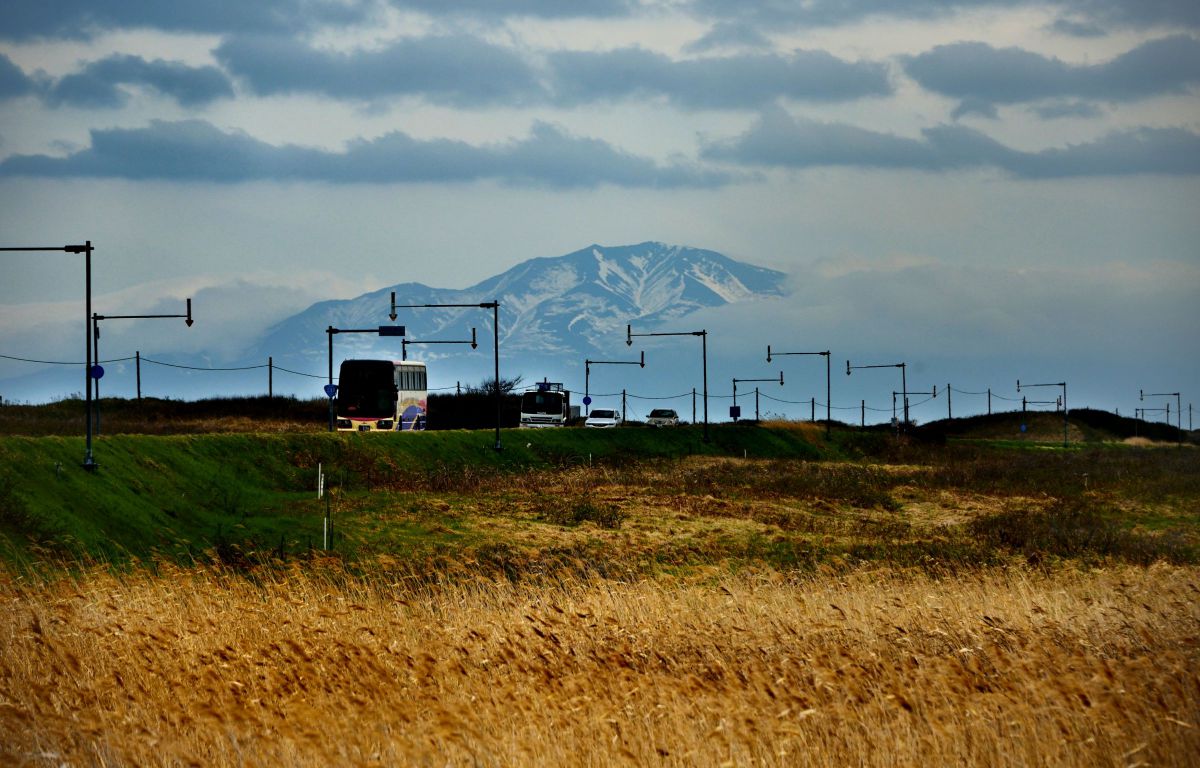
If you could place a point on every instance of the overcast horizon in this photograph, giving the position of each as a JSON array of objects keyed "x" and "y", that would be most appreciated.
[{"x": 978, "y": 185}]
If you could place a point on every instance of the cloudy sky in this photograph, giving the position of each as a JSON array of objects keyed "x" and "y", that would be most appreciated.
[{"x": 990, "y": 186}]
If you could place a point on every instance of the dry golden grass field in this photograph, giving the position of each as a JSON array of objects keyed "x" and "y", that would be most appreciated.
[
  {"x": 313, "y": 666},
  {"x": 933, "y": 607}
]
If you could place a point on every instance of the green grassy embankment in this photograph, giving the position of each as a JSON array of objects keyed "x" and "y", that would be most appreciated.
[{"x": 183, "y": 495}]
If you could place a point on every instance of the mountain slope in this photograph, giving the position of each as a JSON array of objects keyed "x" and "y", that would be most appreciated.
[{"x": 562, "y": 307}]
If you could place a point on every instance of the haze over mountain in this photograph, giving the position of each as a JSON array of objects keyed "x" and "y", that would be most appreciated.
[{"x": 552, "y": 310}]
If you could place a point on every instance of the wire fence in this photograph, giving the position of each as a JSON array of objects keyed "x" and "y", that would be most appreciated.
[{"x": 812, "y": 402}]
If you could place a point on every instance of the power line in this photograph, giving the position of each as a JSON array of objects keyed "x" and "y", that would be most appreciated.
[{"x": 197, "y": 368}]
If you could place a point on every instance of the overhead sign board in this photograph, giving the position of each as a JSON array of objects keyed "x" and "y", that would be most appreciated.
[{"x": 391, "y": 330}]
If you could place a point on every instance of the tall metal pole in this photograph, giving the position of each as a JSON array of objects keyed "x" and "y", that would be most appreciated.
[
  {"x": 1066, "y": 423},
  {"x": 96, "y": 318},
  {"x": 89, "y": 461},
  {"x": 329, "y": 335},
  {"x": 137, "y": 356},
  {"x": 828, "y": 396},
  {"x": 703, "y": 334},
  {"x": 828, "y": 383},
  {"x": 903, "y": 380},
  {"x": 704, "y": 356},
  {"x": 1178, "y": 409},
  {"x": 270, "y": 377},
  {"x": 495, "y": 307},
  {"x": 587, "y": 373},
  {"x": 96, "y": 381},
  {"x": 496, "y": 353}
]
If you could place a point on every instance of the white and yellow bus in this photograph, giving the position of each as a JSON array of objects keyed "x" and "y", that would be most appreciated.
[{"x": 381, "y": 396}]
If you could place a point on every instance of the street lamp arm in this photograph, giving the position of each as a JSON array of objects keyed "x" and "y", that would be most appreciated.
[
  {"x": 703, "y": 334},
  {"x": 493, "y": 305}
]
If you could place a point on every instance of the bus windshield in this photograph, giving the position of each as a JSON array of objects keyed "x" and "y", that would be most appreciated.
[
  {"x": 366, "y": 389},
  {"x": 542, "y": 402}
]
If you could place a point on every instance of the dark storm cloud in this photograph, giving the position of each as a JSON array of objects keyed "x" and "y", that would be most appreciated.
[
  {"x": 778, "y": 140},
  {"x": 713, "y": 83},
  {"x": 13, "y": 80},
  {"x": 1139, "y": 14},
  {"x": 197, "y": 151},
  {"x": 458, "y": 70},
  {"x": 547, "y": 9},
  {"x": 979, "y": 72},
  {"x": 98, "y": 83},
  {"x": 1084, "y": 13},
  {"x": 31, "y": 19},
  {"x": 467, "y": 71}
]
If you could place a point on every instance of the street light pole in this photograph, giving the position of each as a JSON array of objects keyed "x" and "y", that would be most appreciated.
[
  {"x": 96, "y": 318},
  {"x": 1063, "y": 384},
  {"x": 903, "y": 379},
  {"x": 587, "y": 375},
  {"x": 1178, "y": 408},
  {"x": 828, "y": 396},
  {"x": 735, "y": 383},
  {"x": 495, "y": 307},
  {"x": 405, "y": 342},
  {"x": 703, "y": 334},
  {"x": 383, "y": 330},
  {"x": 89, "y": 461}
]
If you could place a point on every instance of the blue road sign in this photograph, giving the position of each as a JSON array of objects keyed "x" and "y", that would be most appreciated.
[
  {"x": 331, "y": 390},
  {"x": 97, "y": 372},
  {"x": 587, "y": 401},
  {"x": 391, "y": 330},
  {"x": 735, "y": 411},
  {"x": 1022, "y": 427}
]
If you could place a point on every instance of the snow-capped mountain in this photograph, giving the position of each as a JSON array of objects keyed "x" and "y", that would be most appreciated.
[{"x": 568, "y": 306}]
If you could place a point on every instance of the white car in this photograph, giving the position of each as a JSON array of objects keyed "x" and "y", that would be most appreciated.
[
  {"x": 603, "y": 418},
  {"x": 663, "y": 417}
]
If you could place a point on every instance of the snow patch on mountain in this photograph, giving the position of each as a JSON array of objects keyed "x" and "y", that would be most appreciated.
[{"x": 566, "y": 307}]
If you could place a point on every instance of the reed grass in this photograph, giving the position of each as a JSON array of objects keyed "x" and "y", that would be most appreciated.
[{"x": 313, "y": 665}]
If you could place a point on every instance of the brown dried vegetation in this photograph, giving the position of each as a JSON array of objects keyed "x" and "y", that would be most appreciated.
[{"x": 314, "y": 666}]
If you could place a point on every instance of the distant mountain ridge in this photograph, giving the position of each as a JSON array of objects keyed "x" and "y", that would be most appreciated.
[{"x": 562, "y": 307}]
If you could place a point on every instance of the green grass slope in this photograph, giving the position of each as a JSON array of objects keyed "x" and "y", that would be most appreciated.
[{"x": 183, "y": 495}]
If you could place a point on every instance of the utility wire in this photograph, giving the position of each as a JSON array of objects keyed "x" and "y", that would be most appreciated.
[{"x": 62, "y": 362}]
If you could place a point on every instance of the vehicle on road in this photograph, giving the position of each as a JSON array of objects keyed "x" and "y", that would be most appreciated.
[
  {"x": 663, "y": 417},
  {"x": 603, "y": 418},
  {"x": 381, "y": 396},
  {"x": 546, "y": 405}
]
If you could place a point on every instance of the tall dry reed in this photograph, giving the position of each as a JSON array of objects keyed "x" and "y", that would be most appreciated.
[{"x": 317, "y": 667}]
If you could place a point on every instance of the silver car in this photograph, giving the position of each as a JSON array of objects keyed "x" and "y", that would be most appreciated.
[
  {"x": 603, "y": 418},
  {"x": 663, "y": 417}
]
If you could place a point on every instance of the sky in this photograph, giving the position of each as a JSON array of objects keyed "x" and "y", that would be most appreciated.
[{"x": 989, "y": 189}]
